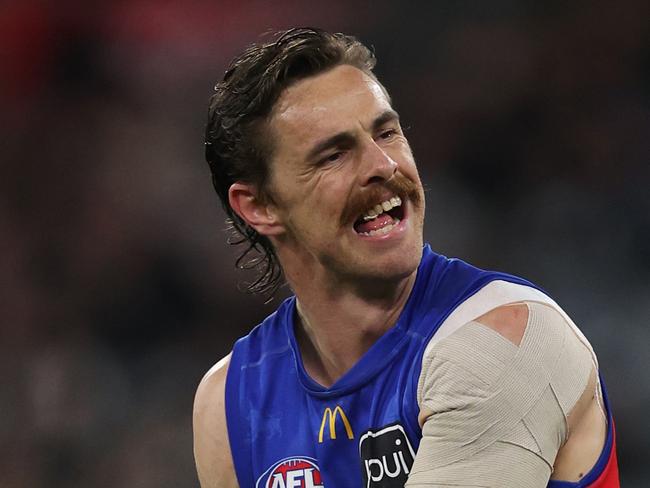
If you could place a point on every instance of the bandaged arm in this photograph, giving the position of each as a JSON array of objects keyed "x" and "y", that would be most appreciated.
[{"x": 497, "y": 410}]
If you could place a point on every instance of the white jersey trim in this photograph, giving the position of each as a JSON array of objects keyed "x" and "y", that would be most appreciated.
[{"x": 496, "y": 294}]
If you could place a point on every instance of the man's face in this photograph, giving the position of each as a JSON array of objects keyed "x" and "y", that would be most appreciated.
[{"x": 343, "y": 181}]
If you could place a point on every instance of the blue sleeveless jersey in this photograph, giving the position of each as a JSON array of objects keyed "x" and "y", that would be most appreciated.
[{"x": 285, "y": 430}]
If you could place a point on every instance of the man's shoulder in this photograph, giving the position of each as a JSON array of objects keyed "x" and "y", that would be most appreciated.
[
  {"x": 209, "y": 401},
  {"x": 214, "y": 379},
  {"x": 271, "y": 332},
  {"x": 211, "y": 447},
  {"x": 509, "y": 321},
  {"x": 445, "y": 282}
]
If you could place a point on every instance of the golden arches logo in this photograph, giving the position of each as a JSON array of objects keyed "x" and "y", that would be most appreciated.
[{"x": 331, "y": 415}]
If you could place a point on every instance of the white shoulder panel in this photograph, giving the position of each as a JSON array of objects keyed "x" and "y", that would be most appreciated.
[{"x": 496, "y": 294}]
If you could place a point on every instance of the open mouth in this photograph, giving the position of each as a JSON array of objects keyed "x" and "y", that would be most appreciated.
[{"x": 380, "y": 219}]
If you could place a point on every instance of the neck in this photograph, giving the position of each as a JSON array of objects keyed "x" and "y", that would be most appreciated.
[{"x": 338, "y": 324}]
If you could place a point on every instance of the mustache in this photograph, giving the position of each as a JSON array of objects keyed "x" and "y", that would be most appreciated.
[{"x": 399, "y": 185}]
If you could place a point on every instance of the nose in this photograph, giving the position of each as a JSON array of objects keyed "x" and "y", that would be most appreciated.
[{"x": 377, "y": 165}]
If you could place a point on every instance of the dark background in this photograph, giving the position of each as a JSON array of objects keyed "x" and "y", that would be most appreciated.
[{"x": 530, "y": 122}]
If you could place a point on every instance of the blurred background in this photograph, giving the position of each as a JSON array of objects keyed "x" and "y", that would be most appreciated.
[{"x": 530, "y": 122}]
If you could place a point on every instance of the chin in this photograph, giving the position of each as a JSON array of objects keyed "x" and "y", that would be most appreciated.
[{"x": 393, "y": 266}]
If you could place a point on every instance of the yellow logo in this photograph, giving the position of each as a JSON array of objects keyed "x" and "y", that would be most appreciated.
[{"x": 330, "y": 415}]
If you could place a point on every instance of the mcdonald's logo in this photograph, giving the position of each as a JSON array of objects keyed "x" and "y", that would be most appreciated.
[{"x": 330, "y": 416}]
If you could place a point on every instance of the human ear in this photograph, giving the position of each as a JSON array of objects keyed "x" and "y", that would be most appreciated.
[{"x": 255, "y": 211}]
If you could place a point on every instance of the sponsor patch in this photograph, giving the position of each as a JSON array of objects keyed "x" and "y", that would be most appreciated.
[
  {"x": 331, "y": 416},
  {"x": 293, "y": 472},
  {"x": 386, "y": 457}
]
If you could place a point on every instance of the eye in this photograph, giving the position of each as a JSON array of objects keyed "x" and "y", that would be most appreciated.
[
  {"x": 332, "y": 158},
  {"x": 387, "y": 134}
]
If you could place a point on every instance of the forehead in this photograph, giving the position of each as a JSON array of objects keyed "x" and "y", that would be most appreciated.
[{"x": 331, "y": 102}]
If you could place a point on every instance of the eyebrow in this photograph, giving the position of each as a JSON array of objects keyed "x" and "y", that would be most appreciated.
[
  {"x": 387, "y": 116},
  {"x": 347, "y": 138}
]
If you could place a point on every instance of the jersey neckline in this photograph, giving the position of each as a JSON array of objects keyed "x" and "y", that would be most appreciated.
[{"x": 380, "y": 354}]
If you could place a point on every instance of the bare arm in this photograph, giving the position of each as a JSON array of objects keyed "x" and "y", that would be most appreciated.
[{"x": 211, "y": 447}]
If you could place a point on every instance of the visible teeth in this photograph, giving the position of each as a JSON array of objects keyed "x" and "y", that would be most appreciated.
[
  {"x": 382, "y": 207},
  {"x": 383, "y": 230}
]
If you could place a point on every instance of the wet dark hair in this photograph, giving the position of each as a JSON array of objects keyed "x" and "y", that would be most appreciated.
[{"x": 236, "y": 146}]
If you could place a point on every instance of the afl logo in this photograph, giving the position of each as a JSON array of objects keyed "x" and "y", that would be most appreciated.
[{"x": 293, "y": 472}]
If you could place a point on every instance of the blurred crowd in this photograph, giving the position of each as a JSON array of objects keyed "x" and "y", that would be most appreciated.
[{"x": 530, "y": 122}]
